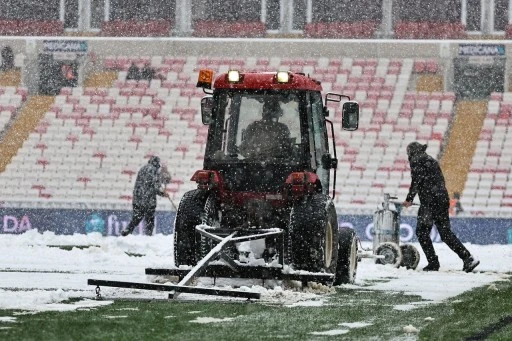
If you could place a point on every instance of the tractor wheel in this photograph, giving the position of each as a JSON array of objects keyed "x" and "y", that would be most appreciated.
[
  {"x": 210, "y": 217},
  {"x": 313, "y": 235},
  {"x": 347, "y": 257},
  {"x": 410, "y": 256},
  {"x": 391, "y": 252},
  {"x": 187, "y": 217}
]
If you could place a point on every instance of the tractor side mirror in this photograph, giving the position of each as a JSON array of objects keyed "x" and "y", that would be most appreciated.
[
  {"x": 350, "y": 118},
  {"x": 206, "y": 109}
]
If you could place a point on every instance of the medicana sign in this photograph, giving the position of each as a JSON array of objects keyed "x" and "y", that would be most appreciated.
[
  {"x": 65, "y": 46},
  {"x": 481, "y": 50},
  {"x": 110, "y": 223}
]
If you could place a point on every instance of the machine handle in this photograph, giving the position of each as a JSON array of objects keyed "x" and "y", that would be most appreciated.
[{"x": 400, "y": 203}]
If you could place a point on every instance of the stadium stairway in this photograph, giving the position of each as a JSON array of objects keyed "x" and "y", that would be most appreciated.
[
  {"x": 464, "y": 134},
  {"x": 430, "y": 83},
  {"x": 10, "y": 78},
  {"x": 26, "y": 121},
  {"x": 103, "y": 79}
]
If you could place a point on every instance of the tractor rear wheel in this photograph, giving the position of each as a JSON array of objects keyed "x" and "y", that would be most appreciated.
[
  {"x": 313, "y": 235},
  {"x": 347, "y": 257},
  {"x": 188, "y": 216},
  {"x": 210, "y": 217}
]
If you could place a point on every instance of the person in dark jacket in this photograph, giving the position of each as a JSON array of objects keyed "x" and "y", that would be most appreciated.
[
  {"x": 147, "y": 187},
  {"x": 7, "y": 59},
  {"x": 428, "y": 183},
  {"x": 147, "y": 72},
  {"x": 267, "y": 138},
  {"x": 133, "y": 73}
]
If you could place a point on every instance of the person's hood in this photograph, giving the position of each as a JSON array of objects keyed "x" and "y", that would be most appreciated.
[
  {"x": 415, "y": 148},
  {"x": 155, "y": 161}
]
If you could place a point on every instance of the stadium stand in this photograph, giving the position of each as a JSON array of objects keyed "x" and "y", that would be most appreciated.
[
  {"x": 429, "y": 30},
  {"x": 338, "y": 30},
  {"x": 109, "y": 132},
  {"x": 11, "y": 99},
  {"x": 136, "y": 28},
  {"x": 399, "y": 19},
  {"x": 31, "y": 27},
  {"x": 222, "y": 28},
  {"x": 488, "y": 187}
]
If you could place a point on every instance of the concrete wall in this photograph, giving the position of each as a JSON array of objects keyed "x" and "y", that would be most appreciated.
[{"x": 236, "y": 48}]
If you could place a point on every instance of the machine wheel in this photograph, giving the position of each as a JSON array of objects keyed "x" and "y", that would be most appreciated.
[
  {"x": 187, "y": 217},
  {"x": 210, "y": 217},
  {"x": 410, "y": 256},
  {"x": 313, "y": 235},
  {"x": 391, "y": 252},
  {"x": 347, "y": 257}
]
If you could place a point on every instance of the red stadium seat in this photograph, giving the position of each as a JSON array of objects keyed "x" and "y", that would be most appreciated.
[
  {"x": 134, "y": 28},
  {"x": 357, "y": 29},
  {"x": 217, "y": 28}
]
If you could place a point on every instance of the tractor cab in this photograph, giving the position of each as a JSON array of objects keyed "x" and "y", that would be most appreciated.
[{"x": 264, "y": 127}]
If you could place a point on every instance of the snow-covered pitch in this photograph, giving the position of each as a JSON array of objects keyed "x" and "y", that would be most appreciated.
[{"x": 37, "y": 275}]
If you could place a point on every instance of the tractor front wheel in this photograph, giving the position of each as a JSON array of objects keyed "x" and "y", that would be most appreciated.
[
  {"x": 188, "y": 216},
  {"x": 347, "y": 257},
  {"x": 210, "y": 217}
]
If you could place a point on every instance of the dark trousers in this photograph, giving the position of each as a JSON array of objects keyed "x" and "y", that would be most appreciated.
[
  {"x": 437, "y": 213},
  {"x": 146, "y": 213}
]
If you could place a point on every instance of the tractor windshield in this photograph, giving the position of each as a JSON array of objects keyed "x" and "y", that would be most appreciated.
[{"x": 257, "y": 126}]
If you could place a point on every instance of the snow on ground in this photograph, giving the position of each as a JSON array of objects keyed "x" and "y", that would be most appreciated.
[
  {"x": 36, "y": 275},
  {"x": 211, "y": 320}
]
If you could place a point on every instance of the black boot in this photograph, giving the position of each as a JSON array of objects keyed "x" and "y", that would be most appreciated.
[
  {"x": 470, "y": 264},
  {"x": 433, "y": 265},
  {"x": 128, "y": 230}
]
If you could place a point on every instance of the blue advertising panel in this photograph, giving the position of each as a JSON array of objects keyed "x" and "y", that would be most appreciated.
[
  {"x": 69, "y": 221},
  {"x": 468, "y": 230},
  {"x": 110, "y": 223}
]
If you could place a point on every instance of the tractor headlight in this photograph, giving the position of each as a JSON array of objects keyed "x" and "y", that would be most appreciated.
[
  {"x": 233, "y": 76},
  {"x": 283, "y": 77}
]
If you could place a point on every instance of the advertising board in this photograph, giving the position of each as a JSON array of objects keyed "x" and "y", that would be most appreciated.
[{"x": 110, "y": 223}]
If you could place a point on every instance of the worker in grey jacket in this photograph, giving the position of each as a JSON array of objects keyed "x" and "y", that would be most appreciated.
[{"x": 147, "y": 187}]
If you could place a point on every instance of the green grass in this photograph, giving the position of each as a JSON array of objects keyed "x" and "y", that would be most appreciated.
[
  {"x": 471, "y": 313},
  {"x": 457, "y": 319}
]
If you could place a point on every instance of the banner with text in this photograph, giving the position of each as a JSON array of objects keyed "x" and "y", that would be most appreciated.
[{"x": 110, "y": 223}]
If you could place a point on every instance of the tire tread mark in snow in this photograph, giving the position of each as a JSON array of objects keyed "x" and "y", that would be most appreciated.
[{"x": 482, "y": 335}]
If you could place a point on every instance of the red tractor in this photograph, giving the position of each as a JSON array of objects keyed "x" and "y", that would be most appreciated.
[{"x": 268, "y": 175}]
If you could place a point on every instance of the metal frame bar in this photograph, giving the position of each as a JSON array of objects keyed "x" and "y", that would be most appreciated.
[
  {"x": 175, "y": 288},
  {"x": 204, "y": 262},
  {"x": 247, "y": 272},
  {"x": 259, "y": 234}
]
